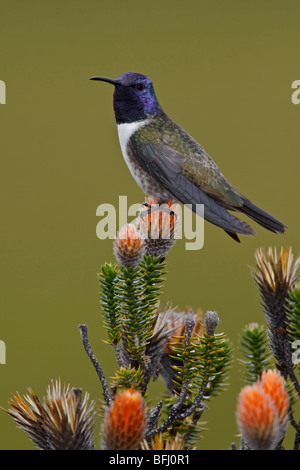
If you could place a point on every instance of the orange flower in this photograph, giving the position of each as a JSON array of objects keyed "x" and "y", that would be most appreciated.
[
  {"x": 273, "y": 384},
  {"x": 125, "y": 422},
  {"x": 157, "y": 225},
  {"x": 262, "y": 411},
  {"x": 129, "y": 246}
]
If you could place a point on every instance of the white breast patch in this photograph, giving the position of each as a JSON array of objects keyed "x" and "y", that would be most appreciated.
[{"x": 125, "y": 131}]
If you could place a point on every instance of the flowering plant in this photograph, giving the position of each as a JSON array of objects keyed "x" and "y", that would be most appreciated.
[{"x": 184, "y": 348}]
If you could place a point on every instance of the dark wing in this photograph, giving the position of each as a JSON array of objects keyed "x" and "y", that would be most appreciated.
[{"x": 164, "y": 164}]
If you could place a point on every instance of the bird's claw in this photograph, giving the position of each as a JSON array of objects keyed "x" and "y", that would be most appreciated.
[{"x": 152, "y": 208}]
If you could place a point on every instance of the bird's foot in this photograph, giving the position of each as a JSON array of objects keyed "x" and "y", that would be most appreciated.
[{"x": 155, "y": 207}]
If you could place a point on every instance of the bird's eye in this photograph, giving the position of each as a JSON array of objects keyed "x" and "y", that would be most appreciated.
[{"x": 138, "y": 86}]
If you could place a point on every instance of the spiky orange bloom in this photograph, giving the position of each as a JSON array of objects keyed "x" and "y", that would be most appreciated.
[
  {"x": 124, "y": 424},
  {"x": 262, "y": 411},
  {"x": 129, "y": 246},
  {"x": 257, "y": 418},
  {"x": 273, "y": 384},
  {"x": 157, "y": 225}
]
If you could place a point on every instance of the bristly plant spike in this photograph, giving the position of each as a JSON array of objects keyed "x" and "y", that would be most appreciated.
[
  {"x": 109, "y": 304},
  {"x": 62, "y": 421},
  {"x": 293, "y": 314},
  {"x": 201, "y": 366},
  {"x": 176, "y": 323},
  {"x": 255, "y": 349},
  {"x": 137, "y": 319},
  {"x": 212, "y": 359},
  {"x": 179, "y": 410},
  {"x": 275, "y": 276},
  {"x": 129, "y": 377},
  {"x": 135, "y": 299}
]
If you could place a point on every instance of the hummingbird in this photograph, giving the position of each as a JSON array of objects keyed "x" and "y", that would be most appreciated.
[{"x": 168, "y": 164}]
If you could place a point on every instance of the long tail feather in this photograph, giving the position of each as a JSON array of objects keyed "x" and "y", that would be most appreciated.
[{"x": 262, "y": 218}]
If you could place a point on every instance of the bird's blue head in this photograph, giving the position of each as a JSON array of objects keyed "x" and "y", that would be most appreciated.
[{"x": 134, "y": 97}]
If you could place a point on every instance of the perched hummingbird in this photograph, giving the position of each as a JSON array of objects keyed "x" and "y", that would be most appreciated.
[{"x": 168, "y": 164}]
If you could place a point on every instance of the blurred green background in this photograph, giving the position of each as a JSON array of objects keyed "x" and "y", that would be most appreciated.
[{"x": 223, "y": 71}]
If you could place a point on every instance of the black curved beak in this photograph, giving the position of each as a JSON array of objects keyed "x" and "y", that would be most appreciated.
[{"x": 108, "y": 80}]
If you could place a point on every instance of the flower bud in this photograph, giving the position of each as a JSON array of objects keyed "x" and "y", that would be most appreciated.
[
  {"x": 157, "y": 226},
  {"x": 125, "y": 422},
  {"x": 262, "y": 411},
  {"x": 129, "y": 247}
]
